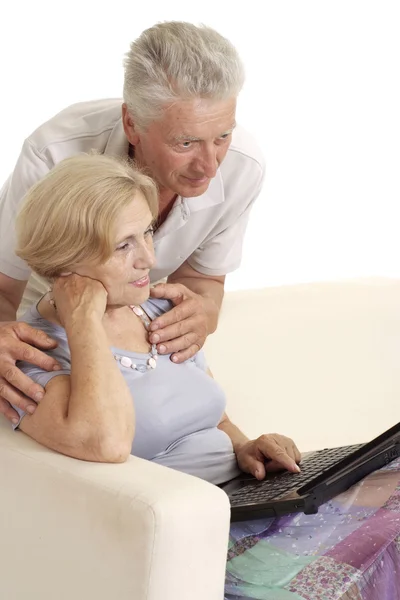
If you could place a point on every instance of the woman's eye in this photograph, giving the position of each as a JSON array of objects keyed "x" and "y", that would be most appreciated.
[
  {"x": 123, "y": 246},
  {"x": 150, "y": 231}
]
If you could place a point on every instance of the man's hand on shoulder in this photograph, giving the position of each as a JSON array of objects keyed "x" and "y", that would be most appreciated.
[
  {"x": 20, "y": 341},
  {"x": 184, "y": 329}
]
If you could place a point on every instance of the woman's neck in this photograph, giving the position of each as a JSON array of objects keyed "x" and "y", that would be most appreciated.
[
  {"x": 113, "y": 313},
  {"x": 123, "y": 328}
]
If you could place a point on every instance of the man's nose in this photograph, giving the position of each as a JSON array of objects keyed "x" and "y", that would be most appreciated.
[{"x": 208, "y": 161}]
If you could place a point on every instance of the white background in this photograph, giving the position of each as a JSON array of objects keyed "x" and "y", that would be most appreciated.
[{"x": 322, "y": 97}]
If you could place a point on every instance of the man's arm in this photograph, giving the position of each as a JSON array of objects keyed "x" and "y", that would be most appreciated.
[
  {"x": 210, "y": 288},
  {"x": 11, "y": 291},
  {"x": 19, "y": 341}
]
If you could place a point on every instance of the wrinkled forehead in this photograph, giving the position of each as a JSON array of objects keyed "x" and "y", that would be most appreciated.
[
  {"x": 134, "y": 218},
  {"x": 199, "y": 117}
]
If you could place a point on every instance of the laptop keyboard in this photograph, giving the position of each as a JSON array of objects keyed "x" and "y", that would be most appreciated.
[{"x": 279, "y": 485}]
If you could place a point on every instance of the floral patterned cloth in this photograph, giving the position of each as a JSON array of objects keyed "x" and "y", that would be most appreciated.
[{"x": 349, "y": 550}]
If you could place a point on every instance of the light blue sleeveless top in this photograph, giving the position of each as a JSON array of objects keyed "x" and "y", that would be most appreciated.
[{"x": 177, "y": 407}]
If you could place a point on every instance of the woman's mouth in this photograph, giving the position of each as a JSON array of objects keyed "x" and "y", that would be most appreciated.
[{"x": 141, "y": 282}]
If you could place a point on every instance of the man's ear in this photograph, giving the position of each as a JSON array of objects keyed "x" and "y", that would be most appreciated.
[{"x": 129, "y": 126}]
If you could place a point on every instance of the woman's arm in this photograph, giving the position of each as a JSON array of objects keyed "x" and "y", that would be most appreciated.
[
  {"x": 89, "y": 414},
  {"x": 238, "y": 438},
  {"x": 269, "y": 452},
  {"x": 232, "y": 431}
]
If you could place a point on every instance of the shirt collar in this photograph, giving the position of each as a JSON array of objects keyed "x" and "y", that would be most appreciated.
[
  {"x": 213, "y": 196},
  {"x": 117, "y": 144}
]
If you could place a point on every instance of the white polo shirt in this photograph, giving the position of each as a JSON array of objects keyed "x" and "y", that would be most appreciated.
[{"x": 207, "y": 230}]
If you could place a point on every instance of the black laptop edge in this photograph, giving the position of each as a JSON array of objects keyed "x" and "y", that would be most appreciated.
[{"x": 371, "y": 456}]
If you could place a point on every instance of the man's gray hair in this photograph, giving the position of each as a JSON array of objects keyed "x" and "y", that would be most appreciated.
[{"x": 175, "y": 60}]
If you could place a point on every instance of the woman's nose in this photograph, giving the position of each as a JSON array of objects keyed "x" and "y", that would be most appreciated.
[{"x": 145, "y": 258}]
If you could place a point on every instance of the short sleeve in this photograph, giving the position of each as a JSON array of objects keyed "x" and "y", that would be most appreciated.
[
  {"x": 42, "y": 378},
  {"x": 61, "y": 353},
  {"x": 221, "y": 252},
  {"x": 200, "y": 361},
  {"x": 29, "y": 169}
]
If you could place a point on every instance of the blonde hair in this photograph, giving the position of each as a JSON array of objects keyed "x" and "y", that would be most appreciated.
[
  {"x": 69, "y": 216},
  {"x": 175, "y": 60}
]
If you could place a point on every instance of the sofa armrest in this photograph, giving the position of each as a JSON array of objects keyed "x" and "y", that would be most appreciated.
[{"x": 137, "y": 531}]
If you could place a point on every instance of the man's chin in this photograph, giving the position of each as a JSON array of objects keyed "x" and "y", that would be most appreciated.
[{"x": 190, "y": 191}]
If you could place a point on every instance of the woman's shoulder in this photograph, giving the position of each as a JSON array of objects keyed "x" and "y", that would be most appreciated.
[
  {"x": 33, "y": 318},
  {"x": 155, "y": 307},
  {"x": 61, "y": 352}
]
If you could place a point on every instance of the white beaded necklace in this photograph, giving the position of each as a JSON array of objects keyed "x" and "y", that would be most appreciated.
[
  {"x": 125, "y": 360},
  {"x": 152, "y": 360}
]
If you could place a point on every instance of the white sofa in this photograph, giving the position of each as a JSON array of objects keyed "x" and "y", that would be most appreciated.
[{"x": 317, "y": 362}]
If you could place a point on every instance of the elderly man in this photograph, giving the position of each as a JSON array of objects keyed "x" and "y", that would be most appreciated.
[{"x": 178, "y": 123}]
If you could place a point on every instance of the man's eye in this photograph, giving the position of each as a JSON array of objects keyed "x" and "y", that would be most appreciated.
[{"x": 186, "y": 144}]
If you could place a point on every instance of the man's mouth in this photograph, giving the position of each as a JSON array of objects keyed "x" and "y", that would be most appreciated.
[{"x": 197, "y": 180}]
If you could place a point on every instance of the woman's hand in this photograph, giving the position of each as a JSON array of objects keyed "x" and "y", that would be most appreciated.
[
  {"x": 76, "y": 296},
  {"x": 270, "y": 452}
]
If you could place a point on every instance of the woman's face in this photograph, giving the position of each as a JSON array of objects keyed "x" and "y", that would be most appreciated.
[{"x": 126, "y": 274}]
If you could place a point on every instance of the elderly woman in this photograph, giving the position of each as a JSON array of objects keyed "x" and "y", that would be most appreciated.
[{"x": 87, "y": 227}]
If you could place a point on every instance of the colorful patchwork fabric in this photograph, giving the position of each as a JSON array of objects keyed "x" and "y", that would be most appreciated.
[{"x": 349, "y": 550}]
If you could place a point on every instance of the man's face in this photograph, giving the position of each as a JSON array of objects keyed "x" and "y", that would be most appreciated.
[{"x": 184, "y": 149}]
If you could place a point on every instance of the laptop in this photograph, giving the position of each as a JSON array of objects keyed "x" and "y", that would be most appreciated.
[{"x": 324, "y": 474}]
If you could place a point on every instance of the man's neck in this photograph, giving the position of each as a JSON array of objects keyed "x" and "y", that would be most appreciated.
[
  {"x": 166, "y": 198},
  {"x": 165, "y": 203}
]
